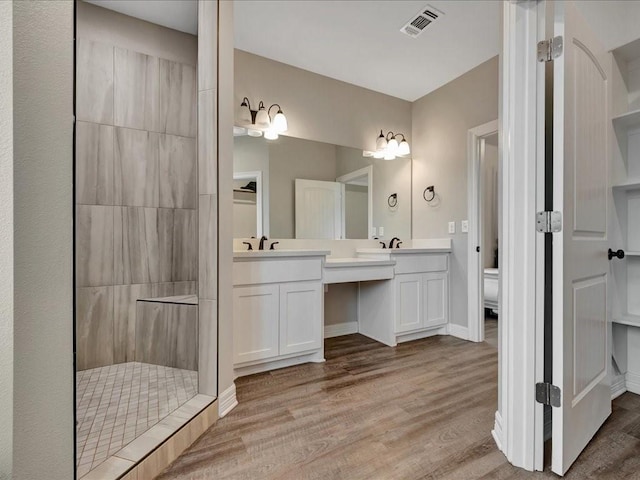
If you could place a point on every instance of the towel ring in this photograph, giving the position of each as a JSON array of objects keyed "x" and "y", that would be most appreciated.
[
  {"x": 392, "y": 201},
  {"x": 432, "y": 191}
]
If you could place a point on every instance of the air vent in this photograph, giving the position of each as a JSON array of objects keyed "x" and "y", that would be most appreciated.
[{"x": 421, "y": 21}]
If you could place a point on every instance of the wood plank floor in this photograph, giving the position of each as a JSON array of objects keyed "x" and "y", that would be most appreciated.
[{"x": 422, "y": 410}]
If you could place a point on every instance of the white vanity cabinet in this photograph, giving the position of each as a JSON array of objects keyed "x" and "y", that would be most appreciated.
[
  {"x": 421, "y": 301},
  {"x": 278, "y": 306},
  {"x": 414, "y": 304}
]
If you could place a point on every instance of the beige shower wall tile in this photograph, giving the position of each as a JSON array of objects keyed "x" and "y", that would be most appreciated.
[
  {"x": 184, "y": 266},
  {"x": 143, "y": 245},
  {"x": 94, "y": 164},
  {"x": 177, "y": 98},
  {"x": 94, "y": 245},
  {"x": 136, "y": 92},
  {"x": 94, "y": 327},
  {"x": 94, "y": 82},
  {"x": 136, "y": 168},
  {"x": 177, "y": 172}
]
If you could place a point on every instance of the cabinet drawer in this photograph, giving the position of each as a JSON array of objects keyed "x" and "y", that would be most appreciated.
[
  {"x": 421, "y": 263},
  {"x": 271, "y": 270}
]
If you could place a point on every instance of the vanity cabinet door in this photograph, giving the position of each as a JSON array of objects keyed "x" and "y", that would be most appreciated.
[
  {"x": 301, "y": 317},
  {"x": 436, "y": 298},
  {"x": 409, "y": 302},
  {"x": 256, "y": 319}
]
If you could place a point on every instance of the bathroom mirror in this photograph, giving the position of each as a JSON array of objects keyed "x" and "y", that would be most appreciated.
[{"x": 297, "y": 188}]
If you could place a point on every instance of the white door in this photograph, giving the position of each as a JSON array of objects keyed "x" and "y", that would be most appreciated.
[
  {"x": 300, "y": 317},
  {"x": 580, "y": 264},
  {"x": 255, "y": 323},
  {"x": 319, "y": 209}
]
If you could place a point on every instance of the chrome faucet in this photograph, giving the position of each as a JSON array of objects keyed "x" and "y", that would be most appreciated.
[
  {"x": 262, "y": 240},
  {"x": 393, "y": 240}
]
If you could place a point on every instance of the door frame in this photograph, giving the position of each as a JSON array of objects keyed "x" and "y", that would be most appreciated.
[
  {"x": 346, "y": 178},
  {"x": 475, "y": 138},
  {"x": 518, "y": 427}
]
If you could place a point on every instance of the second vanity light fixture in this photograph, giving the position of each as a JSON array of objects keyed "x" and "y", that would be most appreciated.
[
  {"x": 261, "y": 120},
  {"x": 388, "y": 147}
]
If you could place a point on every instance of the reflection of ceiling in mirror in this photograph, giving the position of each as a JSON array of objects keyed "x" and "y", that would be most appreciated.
[{"x": 181, "y": 15}]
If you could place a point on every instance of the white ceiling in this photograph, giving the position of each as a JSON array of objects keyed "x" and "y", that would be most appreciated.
[
  {"x": 359, "y": 42},
  {"x": 356, "y": 41}
]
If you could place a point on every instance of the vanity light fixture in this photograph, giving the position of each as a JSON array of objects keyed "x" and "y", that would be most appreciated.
[
  {"x": 388, "y": 147},
  {"x": 261, "y": 120}
]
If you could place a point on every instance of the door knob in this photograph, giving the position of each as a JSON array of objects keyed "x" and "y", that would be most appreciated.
[{"x": 619, "y": 254}]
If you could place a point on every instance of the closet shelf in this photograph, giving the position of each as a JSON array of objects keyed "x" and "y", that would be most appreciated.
[
  {"x": 632, "y": 184},
  {"x": 628, "y": 319},
  {"x": 627, "y": 120}
]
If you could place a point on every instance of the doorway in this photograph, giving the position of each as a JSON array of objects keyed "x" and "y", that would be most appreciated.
[{"x": 484, "y": 275}]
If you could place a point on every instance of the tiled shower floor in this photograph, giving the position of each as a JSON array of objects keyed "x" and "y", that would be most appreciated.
[{"x": 117, "y": 403}]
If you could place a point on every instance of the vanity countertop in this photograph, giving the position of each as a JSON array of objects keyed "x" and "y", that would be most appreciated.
[
  {"x": 401, "y": 251},
  {"x": 248, "y": 254},
  {"x": 357, "y": 262}
]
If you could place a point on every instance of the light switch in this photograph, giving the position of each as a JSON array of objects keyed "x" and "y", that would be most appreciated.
[
  {"x": 464, "y": 226},
  {"x": 381, "y": 231},
  {"x": 452, "y": 227}
]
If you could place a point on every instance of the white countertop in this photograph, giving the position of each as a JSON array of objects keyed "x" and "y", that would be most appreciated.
[
  {"x": 247, "y": 254},
  {"x": 356, "y": 262},
  {"x": 402, "y": 251}
]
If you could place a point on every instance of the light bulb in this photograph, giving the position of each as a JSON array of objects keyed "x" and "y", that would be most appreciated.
[
  {"x": 280, "y": 122},
  {"x": 262, "y": 118},
  {"x": 403, "y": 148},
  {"x": 244, "y": 113},
  {"x": 381, "y": 142},
  {"x": 271, "y": 134},
  {"x": 392, "y": 146},
  {"x": 254, "y": 133}
]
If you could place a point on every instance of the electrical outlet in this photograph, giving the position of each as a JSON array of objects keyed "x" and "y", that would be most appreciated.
[
  {"x": 464, "y": 226},
  {"x": 452, "y": 227},
  {"x": 381, "y": 231}
]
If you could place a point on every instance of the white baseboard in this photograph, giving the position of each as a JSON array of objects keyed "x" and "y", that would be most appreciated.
[
  {"x": 633, "y": 382},
  {"x": 618, "y": 386},
  {"x": 458, "y": 331},
  {"x": 340, "y": 329},
  {"x": 227, "y": 401},
  {"x": 497, "y": 431}
]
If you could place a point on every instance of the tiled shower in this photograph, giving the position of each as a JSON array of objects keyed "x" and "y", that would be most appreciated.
[{"x": 136, "y": 242}]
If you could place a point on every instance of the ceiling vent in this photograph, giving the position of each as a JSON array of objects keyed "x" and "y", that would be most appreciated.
[{"x": 421, "y": 20}]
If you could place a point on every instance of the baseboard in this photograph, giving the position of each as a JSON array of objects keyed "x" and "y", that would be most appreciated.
[
  {"x": 458, "y": 331},
  {"x": 618, "y": 386},
  {"x": 227, "y": 400},
  {"x": 340, "y": 329},
  {"x": 632, "y": 381},
  {"x": 497, "y": 431}
]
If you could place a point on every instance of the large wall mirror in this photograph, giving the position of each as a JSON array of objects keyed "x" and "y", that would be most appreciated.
[{"x": 296, "y": 188}]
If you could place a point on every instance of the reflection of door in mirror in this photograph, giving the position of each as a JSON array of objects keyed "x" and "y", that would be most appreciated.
[
  {"x": 247, "y": 205},
  {"x": 319, "y": 209},
  {"x": 358, "y": 202}
]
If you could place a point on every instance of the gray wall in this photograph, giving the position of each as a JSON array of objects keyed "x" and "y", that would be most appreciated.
[
  {"x": 43, "y": 237},
  {"x": 441, "y": 121},
  {"x": 6, "y": 238},
  {"x": 135, "y": 176},
  {"x": 317, "y": 107}
]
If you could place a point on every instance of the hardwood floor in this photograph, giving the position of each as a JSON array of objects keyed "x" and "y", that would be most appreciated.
[{"x": 422, "y": 410}]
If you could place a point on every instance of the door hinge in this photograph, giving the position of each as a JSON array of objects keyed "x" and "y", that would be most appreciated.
[
  {"x": 549, "y": 49},
  {"x": 549, "y": 222},
  {"x": 548, "y": 394}
]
